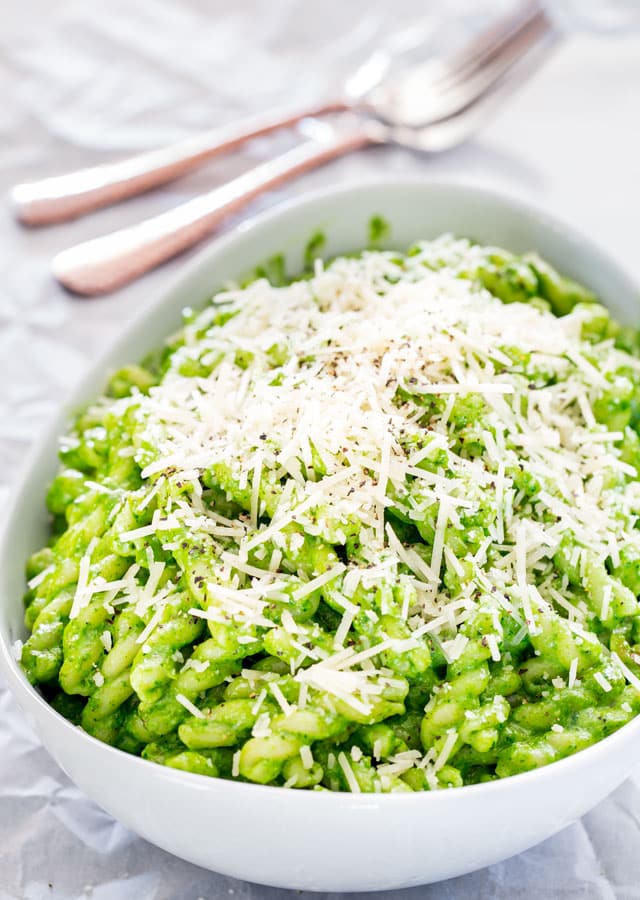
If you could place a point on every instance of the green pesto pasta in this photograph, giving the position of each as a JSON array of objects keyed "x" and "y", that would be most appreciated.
[{"x": 371, "y": 530}]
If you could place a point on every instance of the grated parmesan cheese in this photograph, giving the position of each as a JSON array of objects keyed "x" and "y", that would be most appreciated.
[
  {"x": 573, "y": 671},
  {"x": 396, "y": 400},
  {"x": 348, "y": 773},
  {"x": 306, "y": 756},
  {"x": 602, "y": 681},
  {"x": 189, "y": 706}
]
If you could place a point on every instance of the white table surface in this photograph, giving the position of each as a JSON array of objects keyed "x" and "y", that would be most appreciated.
[{"x": 85, "y": 82}]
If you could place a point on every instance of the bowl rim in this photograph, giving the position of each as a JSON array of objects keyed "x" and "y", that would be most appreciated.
[{"x": 9, "y": 667}]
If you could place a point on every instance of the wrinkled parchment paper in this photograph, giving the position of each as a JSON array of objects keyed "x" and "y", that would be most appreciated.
[{"x": 83, "y": 82}]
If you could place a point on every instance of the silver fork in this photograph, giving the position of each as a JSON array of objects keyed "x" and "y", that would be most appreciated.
[
  {"x": 444, "y": 88},
  {"x": 102, "y": 265}
]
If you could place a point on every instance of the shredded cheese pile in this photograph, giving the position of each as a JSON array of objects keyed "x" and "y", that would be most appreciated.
[
  {"x": 332, "y": 405},
  {"x": 327, "y": 438}
]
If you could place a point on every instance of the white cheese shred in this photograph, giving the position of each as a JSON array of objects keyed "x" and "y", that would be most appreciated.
[
  {"x": 189, "y": 706},
  {"x": 348, "y": 773}
]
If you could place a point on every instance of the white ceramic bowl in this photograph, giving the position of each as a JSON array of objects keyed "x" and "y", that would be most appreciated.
[{"x": 318, "y": 841}]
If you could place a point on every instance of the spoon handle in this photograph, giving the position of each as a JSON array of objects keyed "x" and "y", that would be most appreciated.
[
  {"x": 104, "y": 264},
  {"x": 65, "y": 197}
]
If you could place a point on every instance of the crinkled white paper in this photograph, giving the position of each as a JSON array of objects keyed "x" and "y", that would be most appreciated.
[{"x": 82, "y": 82}]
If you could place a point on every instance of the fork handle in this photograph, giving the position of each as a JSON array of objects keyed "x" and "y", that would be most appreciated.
[
  {"x": 104, "y": 264},
  {"x": 65, "y": 197}
]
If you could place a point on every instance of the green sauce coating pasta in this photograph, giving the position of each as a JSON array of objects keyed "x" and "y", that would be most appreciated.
[{"x": 373, "y": 530}]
